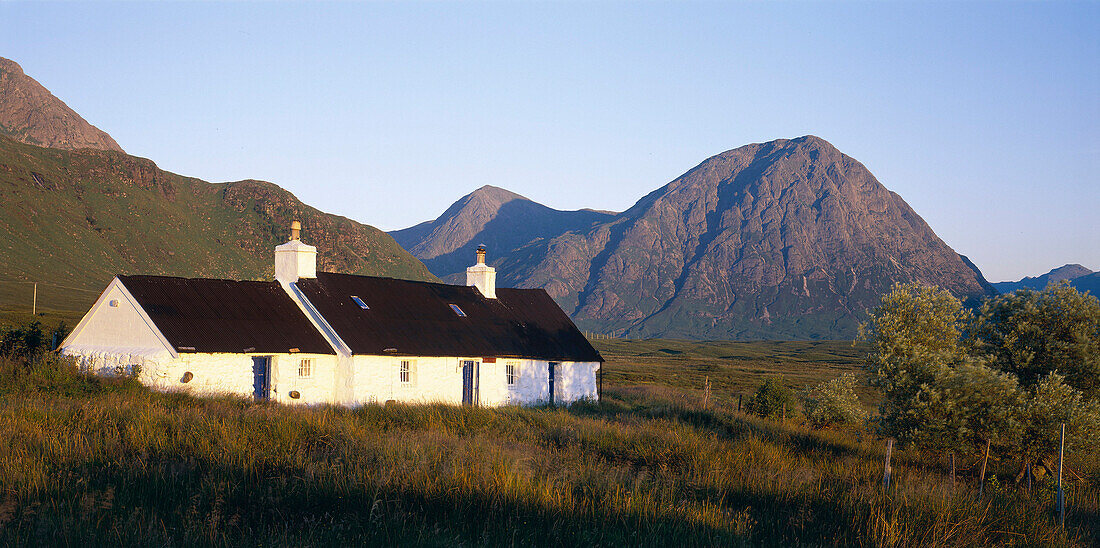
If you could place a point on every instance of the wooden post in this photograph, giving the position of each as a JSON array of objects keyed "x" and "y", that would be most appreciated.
[
  {"x": 981, "y": 486},
  {"x": 34, "y": 302},
  {"x": 706, "y": 393},
  {"x": 739, "y": 403},
  {"x": 886, "y": 469},
  {"x": 1061, "y": 494}
]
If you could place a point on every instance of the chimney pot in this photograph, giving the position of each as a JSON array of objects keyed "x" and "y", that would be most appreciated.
[
  {"x": 481, "y": 276},
  {"x": 295, "y": 230}
]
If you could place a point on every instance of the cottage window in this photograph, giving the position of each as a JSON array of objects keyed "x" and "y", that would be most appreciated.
[
  {"x": 405, "y": 372},
  {"x": 305, "y": 368},
  {"x": 511, "y": 372}
]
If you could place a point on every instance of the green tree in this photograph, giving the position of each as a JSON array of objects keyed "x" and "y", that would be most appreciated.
[
  {"x": 1051, "y": 404},
  {"x": 25, "y": 342},
  {"x": 916, "y": 335},
  {"x": 772, "y": 400},
  {"x": 963, "y": 408},
  {"x": 833, "y": 402},
  {"x": 1032, "y": 334}
]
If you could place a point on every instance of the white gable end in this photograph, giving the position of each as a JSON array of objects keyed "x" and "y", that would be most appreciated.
[{"x": 116, "y": 324}]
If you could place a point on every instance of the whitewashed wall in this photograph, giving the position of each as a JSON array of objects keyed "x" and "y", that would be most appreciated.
[
  {"x": 115, "y": 326},
  {"x": 218, "y": 373},
  {"x": 376, "y": 379}
]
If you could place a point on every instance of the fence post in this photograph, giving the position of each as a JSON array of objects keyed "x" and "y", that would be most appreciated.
[
  {"x": 739, "y": 403},
  {"x": 985, "y": 460},
  {"x": 706, "y": 393},
  {"x": 1061, "y": 494},
  {"x": 886, "y": 470}
]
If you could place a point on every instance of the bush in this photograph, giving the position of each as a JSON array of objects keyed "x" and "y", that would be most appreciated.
[
  {"x": 772, "y": 400},
  {"x": 833, "y": 402}
]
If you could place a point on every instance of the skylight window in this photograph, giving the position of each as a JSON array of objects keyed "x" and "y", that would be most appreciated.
[
  {"x": 360, "y": 302},
  {"x": 458, "y": 311}
]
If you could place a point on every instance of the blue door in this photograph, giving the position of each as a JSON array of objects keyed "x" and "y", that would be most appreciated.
[
  {"x": 261, "y": 377},
  {"x": 550, "y": 381},
  {"x": 469, "y": 382}
]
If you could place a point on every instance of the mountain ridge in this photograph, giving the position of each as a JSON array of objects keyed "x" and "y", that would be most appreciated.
[
  {"x": 32, "y": 115},
  {"x": 784, "y": 239},
  {"x": 1069, "y": 272},
  {"x": 78, "y": 218},
  {"x": 496, "y": 217}
]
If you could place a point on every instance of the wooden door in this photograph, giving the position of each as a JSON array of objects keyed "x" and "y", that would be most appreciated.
[
  {"x": 470, "y": 382},
  {"x": 550, "y": 379},
  {"x": 261, "y": 378}
]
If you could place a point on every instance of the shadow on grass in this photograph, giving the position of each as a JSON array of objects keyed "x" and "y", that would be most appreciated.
[{"x": 193, "y": 502}]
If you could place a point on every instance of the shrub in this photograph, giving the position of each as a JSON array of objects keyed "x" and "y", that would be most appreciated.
[
  {"x": 772, "y": 400},
  {"x": 833, "y": 402},
  {"x": 1032, "y": 334},
  {"x": 23, "y": 342}
]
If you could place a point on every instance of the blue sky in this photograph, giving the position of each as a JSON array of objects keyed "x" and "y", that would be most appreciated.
[{"x": 984, "y": 117}]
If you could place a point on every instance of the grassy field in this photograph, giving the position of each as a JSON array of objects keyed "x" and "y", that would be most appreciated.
[
  {"x": 733, "y": 368},
  {"x": 104, "y": 461}
]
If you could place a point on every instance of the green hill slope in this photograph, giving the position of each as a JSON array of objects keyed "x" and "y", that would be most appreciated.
[{"x": 71, "y": 220}]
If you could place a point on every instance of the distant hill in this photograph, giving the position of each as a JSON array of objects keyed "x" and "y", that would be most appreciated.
[
  {"x": 789, "y": 239},
  {"x": 81, "y": 211},
  {"x": 1089, "y": 282},
  {"x": 1069, "y": 272},
  {"x": 78, "y": 218},
  {"x": 498, "y": 218},
  {"x": 30, "y": 114}
]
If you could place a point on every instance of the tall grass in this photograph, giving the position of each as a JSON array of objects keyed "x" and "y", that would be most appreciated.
[{"x": 91, "y": 460}]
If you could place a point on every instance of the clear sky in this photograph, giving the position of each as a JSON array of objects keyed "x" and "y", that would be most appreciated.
[{"x": 984, "y": 117}]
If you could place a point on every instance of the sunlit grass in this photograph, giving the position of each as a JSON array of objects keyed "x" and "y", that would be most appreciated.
[{"x": 91, "y": 460}]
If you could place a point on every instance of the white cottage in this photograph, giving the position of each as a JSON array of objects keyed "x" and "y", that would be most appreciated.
[{"x": 320, "y": 337}]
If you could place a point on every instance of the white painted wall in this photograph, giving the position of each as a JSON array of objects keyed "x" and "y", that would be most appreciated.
[
  {"x": 214, "y": 374},
  {"x": 116, "y": 325},
  {"x": 376, "y": 379}
]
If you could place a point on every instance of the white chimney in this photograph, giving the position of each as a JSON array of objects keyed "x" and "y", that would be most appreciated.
[
  {"x": 294, "y": 260},
  {"x": 481, "y": 276}
]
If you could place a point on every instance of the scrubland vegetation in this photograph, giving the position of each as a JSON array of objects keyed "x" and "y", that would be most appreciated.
[{"x": 91, "y": 460}]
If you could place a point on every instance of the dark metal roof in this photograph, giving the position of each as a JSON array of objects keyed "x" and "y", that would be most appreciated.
[
  {"x": 204, "y": 315},
  {"x": 415, "y": 318}
]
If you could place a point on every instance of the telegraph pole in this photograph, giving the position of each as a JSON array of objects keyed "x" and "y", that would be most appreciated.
[{"x": 34, "y": 302}]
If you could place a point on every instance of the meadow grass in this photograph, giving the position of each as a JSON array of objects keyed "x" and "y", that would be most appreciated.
[{"x": 92, "y": 460}]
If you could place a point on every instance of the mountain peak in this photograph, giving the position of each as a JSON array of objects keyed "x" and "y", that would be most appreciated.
[
  {"x": 1067, "y": 272},
  {"x": 490, "y": 215},
  {"x": 30, "y": 114}
]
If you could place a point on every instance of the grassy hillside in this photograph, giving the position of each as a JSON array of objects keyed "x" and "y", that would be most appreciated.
[
  {"x": 95, "y": 461},
  {"x": 74, "y": 219}
]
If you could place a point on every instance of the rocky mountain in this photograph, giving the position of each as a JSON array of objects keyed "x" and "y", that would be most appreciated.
[
  {"x": 500, "y": 219},
  {"x": 30, "y": 114},
  {"x": 1088, "y": 282},
  {"x": 789, "y": 239},
  {"x": 1069, "y": 272},
  {"x": 75, "y": 219}
]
